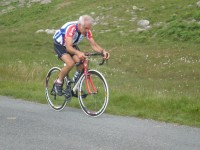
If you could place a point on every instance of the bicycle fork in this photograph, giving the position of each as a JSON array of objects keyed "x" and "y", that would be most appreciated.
[
  {"x": 90, "y": 87},
  {"x": 88, "y": 80},
  {"x": 90, "y": 84}
]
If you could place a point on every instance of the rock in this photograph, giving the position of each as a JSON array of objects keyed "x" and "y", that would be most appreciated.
[
  {"x": 5, "y": 3},
  {"x": 40, "y": 31},
  {"x": 140, "y": 29},
  {"x": 48, "y": 31},
  {"x": 143, "y": 23},
  {"x": 148, "y": 27},
  {"x": 143, "y": 29},
  {"x": 92, "y": 13},
  {"x": 198, "y": 4},
  {"x": 21, "y": 3},
  {"x": 41, "y": 1},
  {"x": 158, "y": 24},
  {"x": 38, "y": 1},
  {"x": 45, "y": 1},
  {"x": 133, "y": 19},
  {"x": 135, "y": 8},
  {"x": 34, "y": 1}
]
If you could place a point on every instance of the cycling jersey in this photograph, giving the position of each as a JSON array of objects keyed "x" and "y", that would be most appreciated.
[{"x": 70, "y": 29}]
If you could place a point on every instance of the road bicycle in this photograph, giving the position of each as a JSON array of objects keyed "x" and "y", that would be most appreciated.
[{"x": 91, "y": 89}]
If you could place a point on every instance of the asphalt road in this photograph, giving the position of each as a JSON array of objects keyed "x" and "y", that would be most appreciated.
[{"x": 32, "y": 126}]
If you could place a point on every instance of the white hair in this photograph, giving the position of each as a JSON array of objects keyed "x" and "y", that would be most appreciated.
[{"x": 85, "y": 18}]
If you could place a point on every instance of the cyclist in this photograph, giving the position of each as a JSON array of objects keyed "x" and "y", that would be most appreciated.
[{"x": 65, "y": 45}]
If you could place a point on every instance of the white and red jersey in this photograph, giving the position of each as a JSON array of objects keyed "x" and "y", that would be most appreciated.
[{"x": 70, "y": 29}]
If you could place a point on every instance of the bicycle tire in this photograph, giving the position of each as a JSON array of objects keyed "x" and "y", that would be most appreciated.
[
  {"x": 94, "y": 104},
  {"x": 56, "y": 102}
]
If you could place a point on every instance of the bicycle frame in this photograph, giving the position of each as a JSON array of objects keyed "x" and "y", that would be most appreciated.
[{"x": 88, "y": 80}]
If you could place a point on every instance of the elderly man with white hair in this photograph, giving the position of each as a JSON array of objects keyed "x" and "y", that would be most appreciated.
[{"x": 65, "y": 45}]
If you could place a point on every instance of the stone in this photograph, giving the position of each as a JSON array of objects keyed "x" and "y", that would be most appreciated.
[
  {"x": 48, "y": 31},
  {"x": 143, "y": 23},
  {"x": 135, "y": 8},
  {"x": 198, "y": 4},
  {"x": 45, "y": 1}
]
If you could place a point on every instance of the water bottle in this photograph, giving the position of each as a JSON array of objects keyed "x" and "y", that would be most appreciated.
[{"x": 76, "y": 75}]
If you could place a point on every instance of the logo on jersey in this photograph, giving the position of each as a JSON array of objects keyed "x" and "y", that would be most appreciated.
[{"x": 71, "y": 31}]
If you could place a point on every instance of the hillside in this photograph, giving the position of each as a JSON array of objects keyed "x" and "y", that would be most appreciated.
[{"x": 155, "y": 59}]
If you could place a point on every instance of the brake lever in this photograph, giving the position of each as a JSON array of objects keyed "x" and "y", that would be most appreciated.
[{"x": 104, "y": 60}]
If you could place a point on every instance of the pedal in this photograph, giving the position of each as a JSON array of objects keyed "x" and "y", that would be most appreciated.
[
  {"x": 53, "y": 93},
  {"x": 69, "y": 82},
  {"x": 68, "y": 97},
  {"x": 83, "y": 94},
  {"x": 68, "y": 93}
]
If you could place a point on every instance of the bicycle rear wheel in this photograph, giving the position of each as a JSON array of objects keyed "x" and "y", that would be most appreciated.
[
  {"x": 94, "y": 103},
  {"x": 56, "y": 102}
]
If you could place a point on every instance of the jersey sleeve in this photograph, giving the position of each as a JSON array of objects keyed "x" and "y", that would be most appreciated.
[
  {"x": 70, "y": 32},
  {"x": 89, "y": 35}
]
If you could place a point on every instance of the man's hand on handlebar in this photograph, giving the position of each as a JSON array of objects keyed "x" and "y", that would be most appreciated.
[
  {"x": 106, "y": 55},
  {"x": 81, "y": 55}
]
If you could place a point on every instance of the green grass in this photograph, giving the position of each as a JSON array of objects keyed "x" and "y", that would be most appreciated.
[{"x": 152, "y": 74}]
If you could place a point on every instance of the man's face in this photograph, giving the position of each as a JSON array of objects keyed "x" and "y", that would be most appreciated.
[{"x": 85, "y": 28}]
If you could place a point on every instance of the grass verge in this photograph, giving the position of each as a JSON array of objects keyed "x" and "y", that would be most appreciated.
[{"x": 151, "y": 74}]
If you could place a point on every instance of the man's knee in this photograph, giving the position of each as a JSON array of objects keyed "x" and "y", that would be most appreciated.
[
  {"x": 68, "y": 60},
  {"x": 70, "y": 64},
  {"x": 76, "y": 59}
]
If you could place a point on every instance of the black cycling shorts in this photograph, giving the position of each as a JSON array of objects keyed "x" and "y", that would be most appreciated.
[{"x": 61, "y": 50}]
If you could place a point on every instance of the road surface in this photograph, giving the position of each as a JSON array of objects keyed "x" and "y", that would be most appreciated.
[{"x": 32, "y": 126}]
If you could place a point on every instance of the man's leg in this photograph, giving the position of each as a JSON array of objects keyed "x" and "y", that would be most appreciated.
[
  {"x": 64, "y": 71},
  {"x": 79, "y": 69},
  {"x": 76, "y": 60},
  {"x": 67, "y": 59}
]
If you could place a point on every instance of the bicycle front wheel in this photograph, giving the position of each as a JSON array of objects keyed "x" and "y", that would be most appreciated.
[
  {"x": 56, "y": 102},
  {"x": 93, "y": 93}
]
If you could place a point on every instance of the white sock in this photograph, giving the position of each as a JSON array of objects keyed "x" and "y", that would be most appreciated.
[{"x": 58, "y": 80}]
